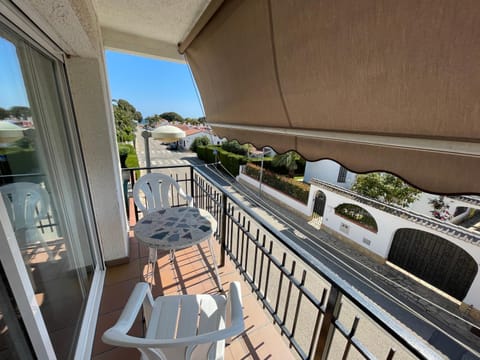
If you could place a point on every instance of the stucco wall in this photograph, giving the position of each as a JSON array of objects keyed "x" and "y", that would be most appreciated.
[
  {"x": 327, "y": 170},
  {"x": 380, "y": 242},
  {"x": 91, "y": 102}
]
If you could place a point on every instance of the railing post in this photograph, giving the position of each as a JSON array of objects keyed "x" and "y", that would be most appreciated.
[
  {"x": 327, "y": 328},
  {"x": 132, "y": 180},
  {"x": 192, "y": 187},
  {"x": 223, "y": 232}
]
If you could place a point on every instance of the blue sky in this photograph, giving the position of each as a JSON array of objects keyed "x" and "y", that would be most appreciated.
[
  {"x": 152, "y": 86},
  {"x": 12, "y": 91}
]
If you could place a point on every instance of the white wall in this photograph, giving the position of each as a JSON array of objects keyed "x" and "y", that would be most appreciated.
[
  {"x": 422, "y": 205},
  {"x": 92, "y": 107},
  {"x": 188, "y": 141},
  {"x": 379, "y": 242},
  {"x": 327, "y": 170},
  {"x": 388, "y": 224}
]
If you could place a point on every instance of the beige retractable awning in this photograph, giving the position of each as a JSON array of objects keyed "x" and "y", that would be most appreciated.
[{"x": 375, "y": 85}]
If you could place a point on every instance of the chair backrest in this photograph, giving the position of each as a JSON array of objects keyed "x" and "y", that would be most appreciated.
[
  {"x": 27, "y": 203},
  {"x": 151, "y": 192},
  {"x": 183, "y": 327}
]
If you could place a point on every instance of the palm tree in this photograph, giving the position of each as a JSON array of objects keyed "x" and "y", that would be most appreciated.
[{"x": 289, "y": 160}]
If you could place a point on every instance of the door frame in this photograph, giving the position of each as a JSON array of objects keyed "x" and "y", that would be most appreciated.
[{"x": 10, "y": 256}]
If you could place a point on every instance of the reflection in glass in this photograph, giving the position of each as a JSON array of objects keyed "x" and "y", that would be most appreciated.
[{"x": 39, "y": 189}]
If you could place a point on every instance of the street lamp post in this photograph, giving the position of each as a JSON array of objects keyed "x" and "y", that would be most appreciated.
[
  {"x": 165, "y": 133},
  {"x": 261, "y": 173},
  {"x": 146, "y": 135}
]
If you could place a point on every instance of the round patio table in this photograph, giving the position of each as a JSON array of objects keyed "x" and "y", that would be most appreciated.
[{"x": 174, "y": 229}]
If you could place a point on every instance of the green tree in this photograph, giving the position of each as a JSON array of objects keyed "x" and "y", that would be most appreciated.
[
  {"x": 199, "y": 141},
  {"x": 171, "y": 116},
  {"x": 153, "y": 120},
  {"x": 20, "y": 112},
  {"x": 137, "y": 116},
  {"x": 289, "y": 160},
  {"x": 124, "y": 114},
  {"x": 385, "y": 187},
  {"x": 3, "y": 113}
]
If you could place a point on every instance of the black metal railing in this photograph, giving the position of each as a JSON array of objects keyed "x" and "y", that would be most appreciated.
[{"x": 319, "y": 313}]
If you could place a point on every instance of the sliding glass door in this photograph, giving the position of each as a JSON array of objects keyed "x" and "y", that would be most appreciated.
[{"x": 44, "y": 194}]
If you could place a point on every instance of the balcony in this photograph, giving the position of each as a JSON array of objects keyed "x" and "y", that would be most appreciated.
[{"x": 294, "y": 306}]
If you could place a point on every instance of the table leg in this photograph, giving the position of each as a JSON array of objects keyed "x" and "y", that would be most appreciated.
[
  {"x": 152, "y": 260},
  {"x": 215, "y": 266}
]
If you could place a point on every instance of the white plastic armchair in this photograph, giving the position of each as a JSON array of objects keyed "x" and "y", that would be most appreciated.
[
  {"x": 27, "y": 204},
  {"x": 156, "y": 188},
  {"x": 185, "y": 327}
]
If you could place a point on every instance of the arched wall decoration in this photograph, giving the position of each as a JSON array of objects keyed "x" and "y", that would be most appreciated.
[{"x": 357, "y": 215}]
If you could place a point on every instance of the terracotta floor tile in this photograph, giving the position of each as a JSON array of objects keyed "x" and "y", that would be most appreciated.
[
  {"x": 266, "y": 343},
  {"x": 118, "y": 354},
  {"x": 105, "y": 322},
  {"x": 115, "y": 296},
  {"x": 123, "y": 272}
]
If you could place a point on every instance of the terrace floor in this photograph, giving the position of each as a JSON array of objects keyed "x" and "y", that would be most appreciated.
[{"x": 189, "y": 274}]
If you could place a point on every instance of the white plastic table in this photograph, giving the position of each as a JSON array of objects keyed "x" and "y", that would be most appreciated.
[{"x": 174, "y": 229}]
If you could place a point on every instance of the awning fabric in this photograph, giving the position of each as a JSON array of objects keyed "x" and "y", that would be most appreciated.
[{"x": 375, "y": 85}]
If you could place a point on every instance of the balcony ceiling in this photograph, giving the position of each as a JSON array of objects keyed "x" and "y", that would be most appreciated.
[{"x": 152, "y": 28}]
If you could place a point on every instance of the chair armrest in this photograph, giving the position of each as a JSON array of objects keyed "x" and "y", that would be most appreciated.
[
  {"x": 129, "y": 314},
  {"x": 188, "y": 198}
]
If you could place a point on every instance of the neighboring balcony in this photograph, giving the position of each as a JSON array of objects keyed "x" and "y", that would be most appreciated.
[{"x": 294, "y": 306}]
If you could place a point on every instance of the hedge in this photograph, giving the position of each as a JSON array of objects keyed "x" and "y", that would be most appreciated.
[
  {"x": 231, "y": 161},
  {"x": 129, "y": 154},
  {"x": 291, "y": 187}
]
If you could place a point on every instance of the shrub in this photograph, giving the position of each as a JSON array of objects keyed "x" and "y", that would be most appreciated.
[
  {"x": 234, "y": 146},
  {"x": 199, "y": 141},
  {"x": 128, "y": 157},
  {"x": 201, "y": 152},
  {"x": 231, "y": 161},
  {"x": 291, "y": 187}
]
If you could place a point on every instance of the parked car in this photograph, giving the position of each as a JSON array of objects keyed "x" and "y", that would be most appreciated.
[{"x": 172, "y": 146}]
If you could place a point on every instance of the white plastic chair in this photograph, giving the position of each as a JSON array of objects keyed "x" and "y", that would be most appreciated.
[
  {"x": 183, "y": 327},
  {"x": 152, "y": 192},
  {"x": 29, "y": 203}
]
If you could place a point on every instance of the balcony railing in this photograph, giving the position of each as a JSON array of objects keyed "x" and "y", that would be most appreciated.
[{"x": 319, "y": 313}]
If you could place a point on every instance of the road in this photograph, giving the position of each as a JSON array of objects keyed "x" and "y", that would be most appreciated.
[{"x": 429, "y": 322}]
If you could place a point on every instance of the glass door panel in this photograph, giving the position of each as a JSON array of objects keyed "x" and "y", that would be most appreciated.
[{"x": 39, "y": 185}]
